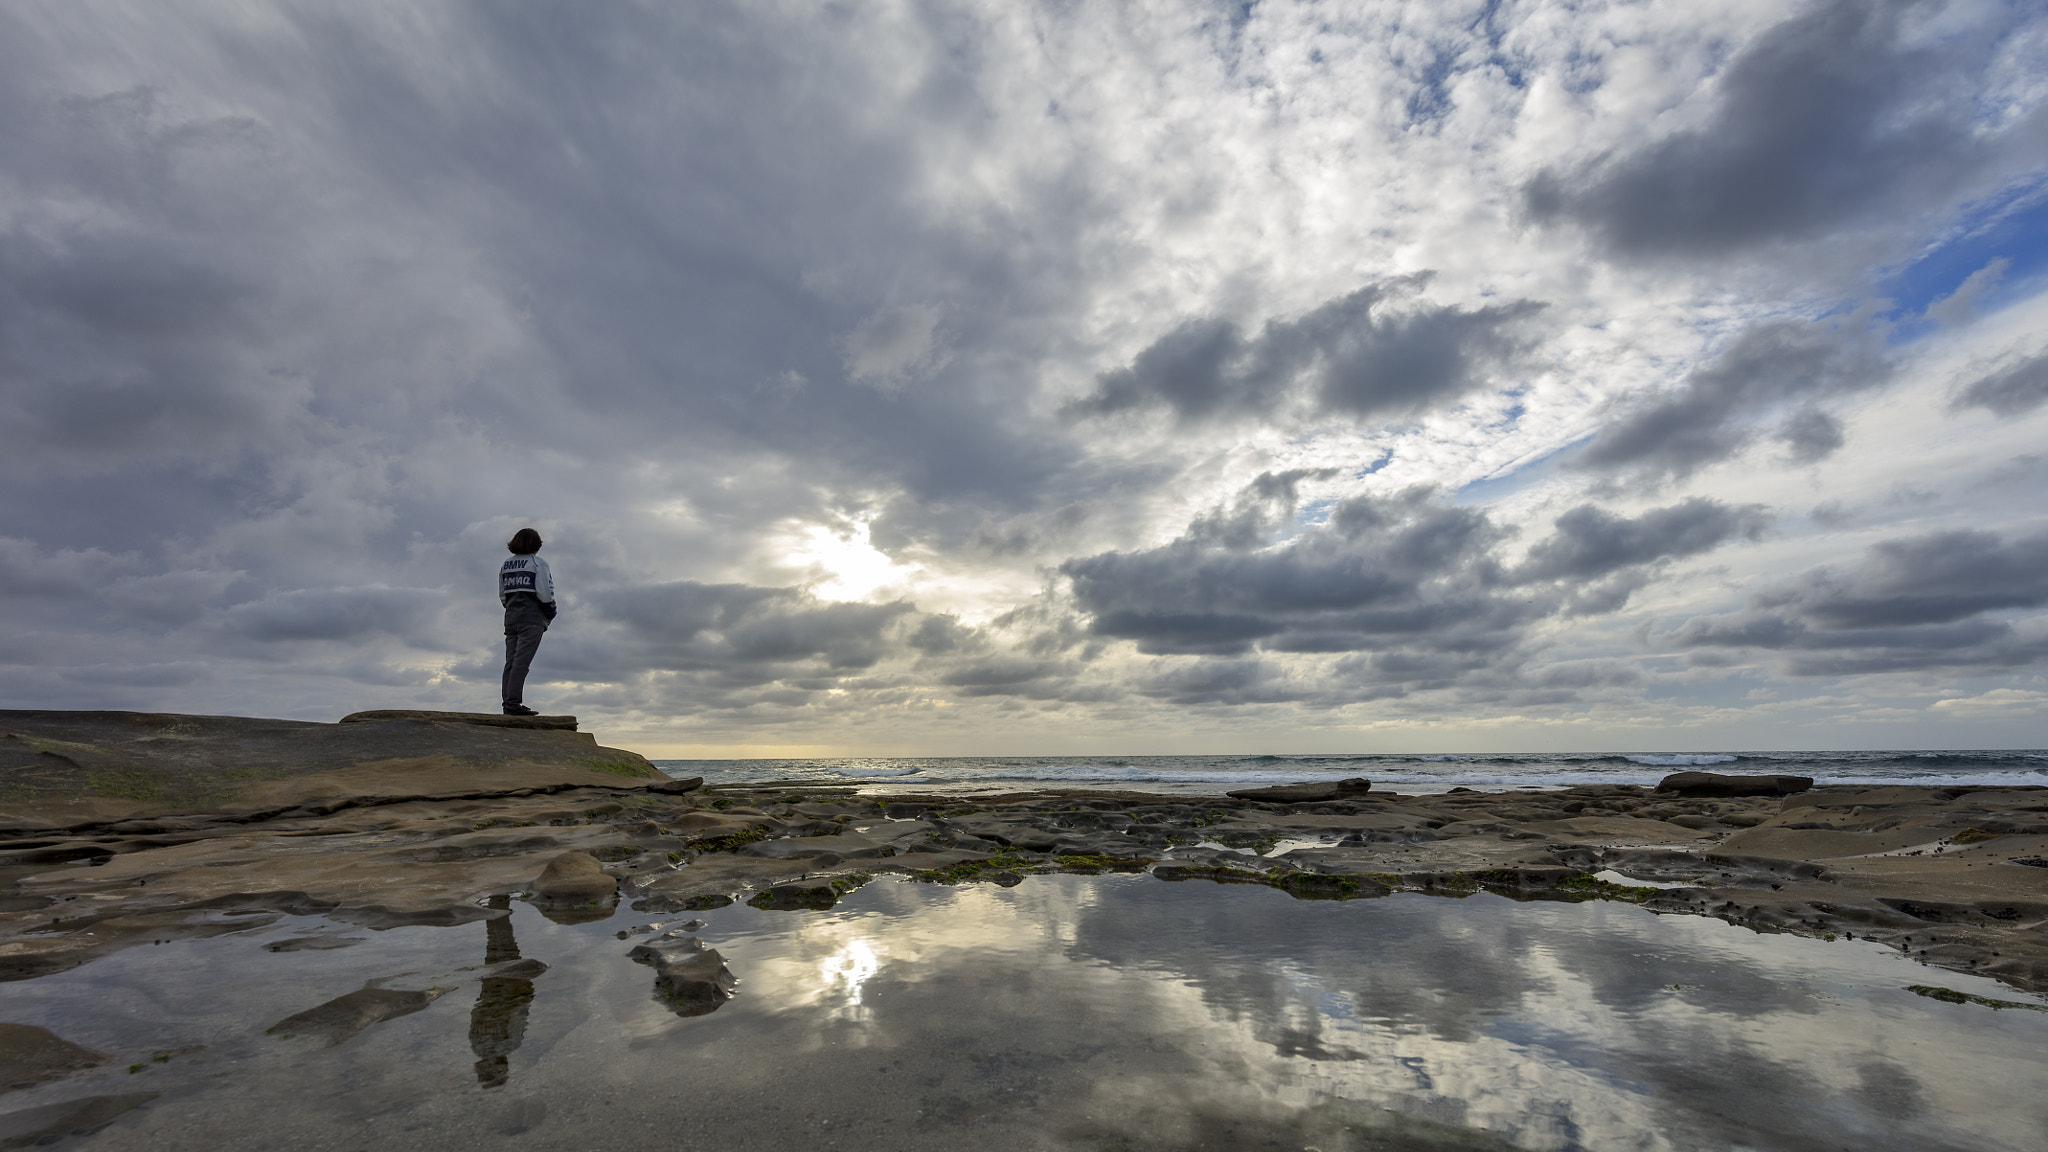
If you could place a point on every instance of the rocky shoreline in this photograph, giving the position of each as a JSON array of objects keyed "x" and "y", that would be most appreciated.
[{"x": 214, "y": 823}]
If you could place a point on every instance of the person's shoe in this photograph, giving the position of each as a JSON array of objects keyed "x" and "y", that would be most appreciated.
[{"x": 519, "y": 710}]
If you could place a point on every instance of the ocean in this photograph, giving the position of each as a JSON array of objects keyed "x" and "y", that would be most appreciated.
[{"x": 1211, "y": 775}]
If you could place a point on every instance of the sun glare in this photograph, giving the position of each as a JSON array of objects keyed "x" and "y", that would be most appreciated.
[{"x": 842, "y": 565}]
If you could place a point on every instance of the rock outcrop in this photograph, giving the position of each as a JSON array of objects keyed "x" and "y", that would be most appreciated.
[
  {"x": 53, "y": 1122},
  {"x": 1304, "y": 793},
  {"x": 344, "y": 1016},
  {"x": 693, "y": 984},
  {"x": 574, "y": 878},
  {"x": 449, "y": 831},
  {"x": 1721, "y": 784},
  {"x": 487, "y": 719},
  {"x": 30, "y": 1055},
  {"x": 105, "y": 766}
]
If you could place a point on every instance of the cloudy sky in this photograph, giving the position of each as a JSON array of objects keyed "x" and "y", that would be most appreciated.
[{"x": 957, "y": 376}]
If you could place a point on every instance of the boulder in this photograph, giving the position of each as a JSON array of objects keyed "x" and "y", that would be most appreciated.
[
  {"x": 694, "y": 986},
  {"x": 1305, "y": 793},
  {"x": 665, "y": 953},
  {"x": 1718, "y": 784},
  {"x": 574, "y": 878},
  {"x": 804, "y": 895}
]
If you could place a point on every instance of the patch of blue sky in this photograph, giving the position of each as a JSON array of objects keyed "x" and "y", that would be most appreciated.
[
  {"x": 1514, "y": 477},
  {"x": 1314, "y": 513},
  {"x": 1385, "y": 458},
  {"x": 2012, "y": 227}
]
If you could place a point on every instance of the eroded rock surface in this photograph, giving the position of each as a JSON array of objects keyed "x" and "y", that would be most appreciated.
[
  {"x": 344, "y": 1016},
  {"x": 1955, "y": 876},
  {"x": 1719, "y": 784},
  {"x": 30, "y": 1055},
  {"x": 50, "y": 1123}
]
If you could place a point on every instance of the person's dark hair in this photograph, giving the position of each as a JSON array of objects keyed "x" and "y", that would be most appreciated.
[{"x": 524, "y": 542}]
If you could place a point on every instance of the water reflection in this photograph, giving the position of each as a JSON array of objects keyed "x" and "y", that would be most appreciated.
[
  {"x": 497, "y": 1024},
  {"x": 1089, "y": 1013}
]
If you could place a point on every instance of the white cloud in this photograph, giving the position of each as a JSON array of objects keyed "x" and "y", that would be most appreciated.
[{"x": 792, "y": 320}]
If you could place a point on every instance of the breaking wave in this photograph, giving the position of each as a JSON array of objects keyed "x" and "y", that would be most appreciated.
[{"x": 1391, "y": 772}]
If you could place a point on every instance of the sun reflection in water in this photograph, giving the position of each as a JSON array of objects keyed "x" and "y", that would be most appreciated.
[{"x": 855, "y": 963}]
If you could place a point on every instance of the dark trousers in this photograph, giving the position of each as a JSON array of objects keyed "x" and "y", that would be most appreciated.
[{"x": 522, "y": 640}]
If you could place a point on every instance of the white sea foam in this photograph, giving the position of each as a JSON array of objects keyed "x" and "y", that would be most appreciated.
[
  {"x": 2034, "y": 779},
  {"x": 1205, "y": 775},
  {"x": 1089, "y": 773}
]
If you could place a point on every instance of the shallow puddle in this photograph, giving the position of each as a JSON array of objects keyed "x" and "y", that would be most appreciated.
[{"x": 1068, "y": 1012}]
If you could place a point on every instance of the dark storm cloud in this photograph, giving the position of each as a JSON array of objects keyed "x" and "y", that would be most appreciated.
[
  {"x": 126, "y": 328},
  {"x": 350, "y": 614},
  {"x": 303, "y": 309},
  {"x": 221, "y": 288},
  {"x": 1379, "y": 351},
  {"x": 317, "y": 339},
  {"x": 1828, "y": 119},
  {"x": 1920, "y": 602},
  {"x": 1592, "y": 542},
  {"x": 690, "y": 626},
  {"x": 2013, "y": 391},
  {"x": 1418, "y": 584},
  {"x": 1713, "y": 413},
  {"x": 1934, "y": 579},
  {"x": 1219, "y": 682}
]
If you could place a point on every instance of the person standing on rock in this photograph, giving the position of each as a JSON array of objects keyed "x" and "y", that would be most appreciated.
[{"x": 527, "y": 590}]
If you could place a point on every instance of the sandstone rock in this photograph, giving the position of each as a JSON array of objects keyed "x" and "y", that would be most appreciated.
[
  {"x": 487, "y": 719},
  {"x": 663, "y": 953},
  {"x": 1719, "y": 784},
  {"x": 815, "y": 895},
  {"x": 850, "y": 846},
  {"x": 694, "y": 986},
  {"x": 1304, "y": 793},
  {"x": 84, "y": 769},
  {"x": 52, "y": 1122},
  {"x": 574, "y": 878},
  {"x": 30, "y": 1055},
  {"x": 344, "y": 1016}
]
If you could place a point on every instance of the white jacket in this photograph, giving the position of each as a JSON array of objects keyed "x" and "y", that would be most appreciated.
[{"x": 526, "y": 574}]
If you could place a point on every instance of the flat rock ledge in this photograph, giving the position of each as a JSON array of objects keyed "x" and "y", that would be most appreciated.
[
  {"x": 1305, "y": 793},
  {"x": 418, "y": 822},
  {"x": 487, "y": 719}
]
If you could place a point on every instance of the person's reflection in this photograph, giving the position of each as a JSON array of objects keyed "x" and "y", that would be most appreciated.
[{"x": 498, "y": 1022}]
